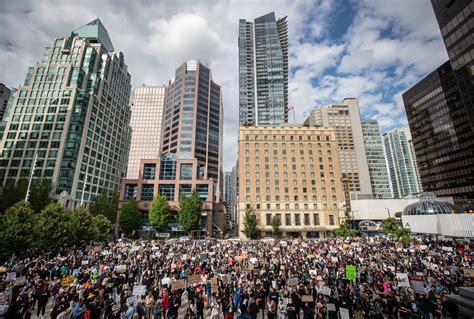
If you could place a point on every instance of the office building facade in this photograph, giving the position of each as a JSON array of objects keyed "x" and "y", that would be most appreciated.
[
  {"x": 345, "y": 118},
  {"x": 263, "y": 71},
  {"x": 73, "y": 113},
  {"x": 440, "y": 110},
  {"x": 4, "y": 97},
  {"x": 147, "y": 126},
  {"x": 402, "y": 164},
  {"x": 376, "y": 159},
  {"x": 191, "y": 148},
  {"x": 291, "y": 173}
]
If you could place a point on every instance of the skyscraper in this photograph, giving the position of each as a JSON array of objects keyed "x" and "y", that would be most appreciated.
[
  {"x": 345, "y": 118},
  {"x": 72, "y": 112},
  {"x": 191, "y": 148},
  {"x": 263, "y": 71},
  {"x": 440, "y": 110},
  {"x": 147, "y": 126},
  {"x": 401, "y": 163},
  {"x": 376, "y": 159},
  {"x": 4, "y": 96}
]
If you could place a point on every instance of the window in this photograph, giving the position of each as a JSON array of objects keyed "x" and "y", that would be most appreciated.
[
  {"x": 316, "y": 219},
  {"x": 269, "y": 219},
  {"x": 287, "y": 219},
  {"x": 167, "y": 190},
  {"x": 168, "y": 166},
  {"x": 186, "y": 172},
  {"x": 149, "y": 171},
  {"x": 184, "y": 189},
  {"x": 297, "y": 220},
  {"x": 331, "y": 220},
  {"x": 147, "y": 192},
  {"x": 306, "y": 219},
  {"x": 130, "y": 191}
]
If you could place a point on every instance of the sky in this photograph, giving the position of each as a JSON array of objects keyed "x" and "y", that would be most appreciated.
[{"x": 373, "y": 50}]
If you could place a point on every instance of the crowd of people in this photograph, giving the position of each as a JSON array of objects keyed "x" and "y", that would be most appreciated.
[{"x": 319, "y": 278}]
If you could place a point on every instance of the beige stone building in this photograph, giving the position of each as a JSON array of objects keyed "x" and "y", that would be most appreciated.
[{"x": 291, "y": 172}]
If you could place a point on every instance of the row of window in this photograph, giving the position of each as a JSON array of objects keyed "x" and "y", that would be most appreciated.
[{"x": 296, "y": 220}]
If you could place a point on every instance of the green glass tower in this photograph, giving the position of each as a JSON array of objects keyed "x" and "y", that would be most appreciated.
[{"x": 73, "y": 113}]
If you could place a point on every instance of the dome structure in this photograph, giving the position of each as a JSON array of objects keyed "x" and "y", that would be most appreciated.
[{"x": 428, "y": 205}]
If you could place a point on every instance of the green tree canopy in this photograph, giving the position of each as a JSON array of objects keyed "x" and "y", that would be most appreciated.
[
  {"x": 158, "y": 213},
  {"x": 276, "y": 223},
  {"x": 250, "y": 223},
  {"x": 81, "y": 226},
  {"x": 395, "y": 232},
  {"x": 103, "y": 227},
  {"x": 189, "y": 213},
  {"x": 53, "y": 228},
  {"x": 17, "y": 228},
  {"x": 344, "y": 231},
  {"x": 105, "y": 205},
  {"x": 130, "y": 217},
  {"x": 39, "y": 194},
  {"x": 389, "y": 226},
  {"x": 12, "y": 193}
]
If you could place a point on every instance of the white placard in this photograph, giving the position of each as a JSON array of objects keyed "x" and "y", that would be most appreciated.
[
  {"x": 331, "y": 307},
  {"x": 139, "y": 290},
  {"x": 402, "y": 279},
  {"x": 324, "y": 291},
  {"x": 11, "y": 276},
  {"x": 292, "y": 281},
  {"x": 447, "y": 248},
  {"x": 344, "y": 313},
  {"x": 165, "y": 281}
]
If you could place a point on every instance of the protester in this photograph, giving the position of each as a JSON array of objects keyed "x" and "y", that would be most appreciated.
[{"x": 239, "y": 279}]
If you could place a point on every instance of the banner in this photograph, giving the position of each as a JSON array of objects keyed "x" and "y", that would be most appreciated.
[{"x": 351, "y": 272}]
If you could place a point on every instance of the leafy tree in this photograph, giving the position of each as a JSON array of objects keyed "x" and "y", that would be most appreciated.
[
  {"x": 250, "y": 223},
  {"x": 105, "y": 205},
  {"x": 52, "y": 227},
  {"x": 393, "y": 231},
  {"x": 17, "y": 228},
  {"x": 403, "y": 235},
  {"x": 389, "y": 226},
  {"x": 39, "y": 195},
  {"x": 130, "y": 217},
  {"x": 102, "y": 227},
  {"x": 276, "y": 223},
  {"x": 12, "y": 193},
  {"x": 81, "y": 226},
  {"x": 344, "y": 231},
  {"x": 158, "y": 214},
  {"x": 189, "y": 213}
]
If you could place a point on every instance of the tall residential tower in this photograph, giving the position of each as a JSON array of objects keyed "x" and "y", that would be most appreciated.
[
  {"x": 263, "y": 71},
  {"x": 72, "y": 113}
]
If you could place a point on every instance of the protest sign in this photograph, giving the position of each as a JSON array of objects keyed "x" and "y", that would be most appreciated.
[
  {"x": 324, "y": 291},
  {"x": 444, "y": 248},
  {"x": 11, "y": 276},
  {"x": 402, "y": 279},
  {"x": 469, "y": 272},
  {"x": 331, "y": 307},
  {"x": 351, "y": 272},
  {"x": 178, "y": 284},
  {"x": 292, "y": 281},
  {"x": 67, "y": 281},
  {"x": 131, "y": 300},
  {"x": 194, "y": 279},
  {"x": 139, "y": 290},
  {"x": 121, "y": 268},
  {"x": 417, "y": 284},
  {"x": 307, "y": 298},
  {"x": 344, "y": 313},
  {"x": 214, "y": 284},
  {"x": 165, "y": 281}
]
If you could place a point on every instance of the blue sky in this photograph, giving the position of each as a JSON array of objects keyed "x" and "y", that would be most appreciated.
[{"x": 373, "y": 50}]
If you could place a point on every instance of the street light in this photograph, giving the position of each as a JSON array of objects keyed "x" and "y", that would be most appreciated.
[{"x": 388, "y": 211}]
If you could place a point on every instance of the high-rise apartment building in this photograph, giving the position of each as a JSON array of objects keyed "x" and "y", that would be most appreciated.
[
  {"x": 376, "y": 159},
  {"x": 440, "y": 110},
  {"x": 4, "y": 96},
  {"x": 229, "y": 192},
  {"x": 147, "y": 126},
  {"x": 401, "y": 163},
  {"x": 72, "y": 113},
  {"x": 191, "y": 148},
  {"x": 290, "y": 173},
  {"x": 263, "y": 71},
  {"x": 345, "y": 118}
]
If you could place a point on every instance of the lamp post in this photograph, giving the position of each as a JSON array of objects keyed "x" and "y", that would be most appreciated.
[
  {"x": 388, "y": 211},
  {"x": 31, "y": 178}
]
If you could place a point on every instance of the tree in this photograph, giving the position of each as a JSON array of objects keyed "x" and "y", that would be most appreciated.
[
  {"x": 189, "y": 213},
  {"x": 395, "y": 232},
  {"x": 105, "y": 205},
  {"x": 39, "y": 195},
  {"x": 103, "y": 227},
  {"x": 250, "y": 223},
  {"x": 276, "y": 223},
  {"x": 344, "y": 231},
  {"x": 158, "y": 215},
  {"x": 81, "y": 226},
  {"x": 53, "y": 228},
  {"x": 12, "y": 193},
  {"x": 130, "y": 217},
  {"x": 17, "y": 228},
  {"x": 389, "y": 226}
]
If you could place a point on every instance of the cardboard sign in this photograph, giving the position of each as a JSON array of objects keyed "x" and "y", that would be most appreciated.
[
  {"x": 344, "y": 313},
  {"x": 67, "y": 281},
  {"x": 139, "y": 290},
  {"x": 324, "y": 291},
  {"x": 307, "y": 298},
  {"x": 214, "y": 284},
  {"x": 469, "y": 272},
  {"x": 194, "y": 279},
  {"x": 11, "y": 276},
  {"x": 121, "y": 268},
  {"x": 351, "y": 272},
  {"x": 402, "y": 279},
  {"x": 292, "y": 281},
  {"x": 178, "y": 284}
]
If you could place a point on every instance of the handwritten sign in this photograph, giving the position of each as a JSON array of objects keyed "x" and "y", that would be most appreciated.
[
  {"x": 324, "y": 291},
  {"x": 165, "y": 281},
  {"x": 67, "y": 281},
  {"x": 292, "y": 281},
  {"x": 402, "y": 279},
  {"x": 194, "y": 279},
  {"x": 178, "y": 284},
  {"x": 344, "y": 313},
  {"x": 469, "y": 272},
  {"x": 131, "y": 300},
  {"x": 11, "y": 276},
  {"x": 307, "y": 298},
  {"x": 139, "y": 290}
]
